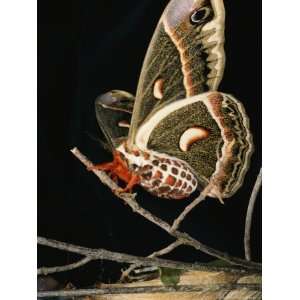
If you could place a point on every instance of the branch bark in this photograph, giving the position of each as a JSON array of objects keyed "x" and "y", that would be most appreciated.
[
  {"x": 148, "y": 289},
  {"x": 249, "y": 216},
  {"x": 96, "y": 254},
  {"x": 182, "y": 237},
  {"x": 46, "y": 271},
  {"x": 188, "y": 209},
  {"x": 166, "y": 250}
]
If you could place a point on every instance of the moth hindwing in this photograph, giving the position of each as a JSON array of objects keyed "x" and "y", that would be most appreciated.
[
  {"x": 210, "y": 132},
  {"x": 113, "y": 112}
]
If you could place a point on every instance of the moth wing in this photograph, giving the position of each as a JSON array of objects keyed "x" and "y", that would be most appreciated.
[
  {"x": 210, "y": 132},
  {"x": 183, "y": 58},
  {"x": 113, "y": 113}
]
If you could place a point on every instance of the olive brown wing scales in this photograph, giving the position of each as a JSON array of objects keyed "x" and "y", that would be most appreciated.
[
  {"x": 185, "y": 57},
  {"x": 210, "y": 132}
]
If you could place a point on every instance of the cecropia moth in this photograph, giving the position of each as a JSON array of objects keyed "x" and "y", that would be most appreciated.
[{"x": 178, "y": 133}]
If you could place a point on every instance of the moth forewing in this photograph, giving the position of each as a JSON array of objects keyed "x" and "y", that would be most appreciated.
[
  {"x": 183, "y": 59},
  {"x": 216, "y": 55}
]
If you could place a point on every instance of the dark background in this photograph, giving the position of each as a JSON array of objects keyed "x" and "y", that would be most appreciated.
[{"x": 86, "y": 48}]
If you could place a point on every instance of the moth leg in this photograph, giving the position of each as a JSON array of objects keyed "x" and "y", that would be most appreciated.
[
  {"x": 114, "y": 177},
  {"x": 212, "y": 190},
  {"x": 217, "y": 194},
  {"x": 219, "y": 197},
  {"x": 103, "y": 167},
  {"x": 134, "y": 180}
]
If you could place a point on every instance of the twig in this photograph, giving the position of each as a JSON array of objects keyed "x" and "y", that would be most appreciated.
[
  {"x": 149, "y": 289},
  {"x": 189, "y": 208},
  {"x": 249, "y": 215},
  {"x": 166, "y": 250},
  {"x": 46, "y": 271},
  {"x": 96, "y": 254},
  {"x": 183, "y": 237}
]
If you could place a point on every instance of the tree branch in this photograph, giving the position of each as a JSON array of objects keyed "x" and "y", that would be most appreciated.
[
  {"x": 46, "y": 271},
  {"x": 96, "y": 254},
  {"x": 249, "y": 215},
  {"x": 148, "y": 289},
  {"x": 183, "y": 237},
  {"x": 188, "y": 209},
  {"x": 167, "y": 249}
]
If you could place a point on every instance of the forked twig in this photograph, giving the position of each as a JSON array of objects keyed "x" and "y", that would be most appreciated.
[
  {"x": 189, "y": 208},
  {"x": 249, "y": 216},
  {"x": 97, "y": 254},
  {"x": 183, "y": 237}
]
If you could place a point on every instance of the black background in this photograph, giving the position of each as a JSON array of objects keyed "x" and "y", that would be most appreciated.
[{"x": 86, "y": 48}]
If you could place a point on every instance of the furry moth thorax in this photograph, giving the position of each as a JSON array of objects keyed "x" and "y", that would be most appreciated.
[{"x": 160, "y": 174}]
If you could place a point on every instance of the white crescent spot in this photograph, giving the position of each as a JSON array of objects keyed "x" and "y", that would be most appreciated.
[
  {"x": 158, "y": 89},
  {"x": 191, "y": 136},
  {"x": 123, "y": 124}
]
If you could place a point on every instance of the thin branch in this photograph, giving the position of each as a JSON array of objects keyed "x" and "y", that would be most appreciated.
[
  {"x": 183, "y": 237},
  {"x": 149, "y": 289},
  {"x": 46, "y": 271},
  {"x": 249, "y": 216},
  {"x": 96, "y": 254},
  {"x": 166, "y": 250},
  {"x": 189, "y": 208}
]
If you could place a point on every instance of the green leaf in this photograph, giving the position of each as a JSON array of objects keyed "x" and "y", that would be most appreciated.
[{"x": 169, "y": 277}]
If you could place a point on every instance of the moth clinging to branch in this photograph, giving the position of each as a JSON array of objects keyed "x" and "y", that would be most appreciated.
[{"x": 183, "y": 134}]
